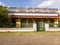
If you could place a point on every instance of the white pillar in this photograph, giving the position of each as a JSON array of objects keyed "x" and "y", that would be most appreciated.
[
  {"x": 46, "y": 26},
  {"x": 34, "y": 25}
]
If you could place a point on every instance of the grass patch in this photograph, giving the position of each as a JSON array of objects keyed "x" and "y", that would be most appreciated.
[{"x": 27, "y": 33}]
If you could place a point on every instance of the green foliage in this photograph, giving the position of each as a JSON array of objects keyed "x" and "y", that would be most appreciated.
[
  {"x": 4, "y": 17},
  {"x": 51, "y": 25},
  {"x": 58, "y": 25}
]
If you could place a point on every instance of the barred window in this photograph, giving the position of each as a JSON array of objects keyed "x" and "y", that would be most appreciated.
[{"x": 26, "y": 23}]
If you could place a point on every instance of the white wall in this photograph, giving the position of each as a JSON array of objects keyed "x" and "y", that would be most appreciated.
[
  {"x": 33, "y": 14},
  {"x": 53, "y": 29},
  {"x": 16, "y": 29},
  {"x": 47, "y": 28}
]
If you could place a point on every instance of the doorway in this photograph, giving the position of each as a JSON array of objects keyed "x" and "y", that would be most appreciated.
[{"x": 40, "y": 26}]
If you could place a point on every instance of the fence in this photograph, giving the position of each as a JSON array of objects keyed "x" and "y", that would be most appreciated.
[
  {"x": 13, "y": 25},
  {"x": 54, "y": 25},
  {"x": 26, "y": 25},
  {"x": 7, "y": 25}
]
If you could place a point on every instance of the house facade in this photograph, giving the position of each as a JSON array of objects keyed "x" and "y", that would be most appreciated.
[{"x": 35, "y": 19}]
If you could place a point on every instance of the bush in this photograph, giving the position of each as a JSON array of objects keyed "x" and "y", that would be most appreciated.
[{"x": 51, "y": 25}]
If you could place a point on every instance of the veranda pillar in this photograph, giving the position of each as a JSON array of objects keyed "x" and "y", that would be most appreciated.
[
  {"x": 56, "y": 22},
  {"x": 34, "y": 25},
  {"x": 18, "y": 23}
]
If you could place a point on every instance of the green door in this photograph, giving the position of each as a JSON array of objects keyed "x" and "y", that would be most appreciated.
[{"x": 40, "y": 26}]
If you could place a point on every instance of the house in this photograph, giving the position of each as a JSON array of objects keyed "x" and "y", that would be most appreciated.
[{"x": 35, "y": 19}]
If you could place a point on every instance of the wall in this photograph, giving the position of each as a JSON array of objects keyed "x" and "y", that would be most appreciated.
[{"x": 47, "y": 28}]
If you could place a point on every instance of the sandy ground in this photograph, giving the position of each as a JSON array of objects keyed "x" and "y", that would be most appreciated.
[{"x": 35, "y": 39}]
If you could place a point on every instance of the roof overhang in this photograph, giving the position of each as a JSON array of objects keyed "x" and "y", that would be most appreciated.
[
  {"x": 19, "y": 16},
  {"x": 33, "y": 15}
]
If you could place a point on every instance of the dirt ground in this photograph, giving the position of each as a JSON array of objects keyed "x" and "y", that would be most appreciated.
[{"x": 31, "y": 39}]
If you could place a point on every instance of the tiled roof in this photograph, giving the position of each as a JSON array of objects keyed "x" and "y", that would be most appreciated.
[{"x": 32, "y": 10}]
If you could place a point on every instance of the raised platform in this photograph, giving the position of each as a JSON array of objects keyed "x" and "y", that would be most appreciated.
[{"x": 16, "y": 29}]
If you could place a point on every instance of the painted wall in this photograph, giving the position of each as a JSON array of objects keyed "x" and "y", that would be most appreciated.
[
  {"x": 47, "y": 28},
  {"x": 34, "y": 14}
]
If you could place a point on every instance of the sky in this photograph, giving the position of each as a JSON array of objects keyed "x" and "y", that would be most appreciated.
[{"x": 31, "y": 3}]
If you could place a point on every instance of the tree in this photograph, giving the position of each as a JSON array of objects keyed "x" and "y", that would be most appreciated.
[{"x": 4, "y": 17}]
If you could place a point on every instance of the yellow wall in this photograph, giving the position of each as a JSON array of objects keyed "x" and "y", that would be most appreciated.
[{"x": 18, "y": 23}]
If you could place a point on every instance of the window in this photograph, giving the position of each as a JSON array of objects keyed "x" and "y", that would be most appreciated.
[{"x": 26, "y": 23}]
